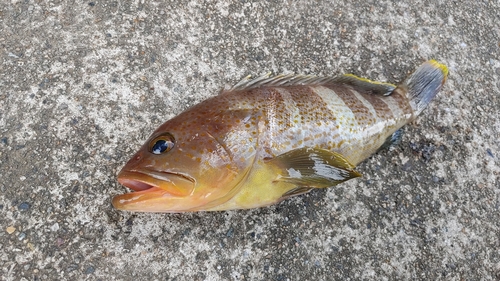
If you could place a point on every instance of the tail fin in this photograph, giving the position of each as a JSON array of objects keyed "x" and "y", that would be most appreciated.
[{"x": 423, "y": 85}]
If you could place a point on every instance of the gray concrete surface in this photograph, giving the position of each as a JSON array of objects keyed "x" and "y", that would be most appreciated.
[{"x": 83, "y": 84}]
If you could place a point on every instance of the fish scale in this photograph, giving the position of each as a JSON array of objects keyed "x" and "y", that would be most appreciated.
[
  {"x": 293, "y": 121},
  {"x": 269, "y": 138}
]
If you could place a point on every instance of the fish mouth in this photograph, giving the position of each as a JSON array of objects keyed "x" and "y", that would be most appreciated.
[
  {"x": 152, "y": 190},
  {"x": 144, "y": 180},
  {"x": 135, "y": 185}
]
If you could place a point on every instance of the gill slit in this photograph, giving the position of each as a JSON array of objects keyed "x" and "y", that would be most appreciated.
[{"x": 237, "y": 187}]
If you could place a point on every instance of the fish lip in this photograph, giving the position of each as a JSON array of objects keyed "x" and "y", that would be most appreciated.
[
  {"x": 144, "y": 180},
  {"x": 135, "y": 180},
  {"x": 154, "y": 191}
]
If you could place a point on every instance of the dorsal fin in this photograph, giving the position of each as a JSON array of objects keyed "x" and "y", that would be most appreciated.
[
  {"x": 364, "y": 85},
  {"x": 284, "y": 80}
]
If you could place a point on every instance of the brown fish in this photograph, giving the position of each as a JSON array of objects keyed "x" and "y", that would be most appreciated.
[{"x": 271, "y": 138}]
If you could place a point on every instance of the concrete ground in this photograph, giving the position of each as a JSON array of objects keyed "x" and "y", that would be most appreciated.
[{"x": 82, "y": 85}]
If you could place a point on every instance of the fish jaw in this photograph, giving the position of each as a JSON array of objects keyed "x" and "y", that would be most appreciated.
[
  {"x": 155, "y": 192},
  {"x": 149, "y": 200}
]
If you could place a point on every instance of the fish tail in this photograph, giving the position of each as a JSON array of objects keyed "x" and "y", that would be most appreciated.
[{"x": 423, "y": 85}]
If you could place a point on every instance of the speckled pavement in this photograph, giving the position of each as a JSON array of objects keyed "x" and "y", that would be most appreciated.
[{"x": 82, "y": 85}]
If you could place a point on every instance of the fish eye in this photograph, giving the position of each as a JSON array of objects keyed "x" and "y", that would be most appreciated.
[{"x": 162, "y": 144}]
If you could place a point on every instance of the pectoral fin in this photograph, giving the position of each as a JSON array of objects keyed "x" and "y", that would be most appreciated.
[{"x": 314, "y": 168}]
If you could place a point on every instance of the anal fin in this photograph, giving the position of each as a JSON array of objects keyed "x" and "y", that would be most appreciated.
[{"x": 393, "y": 139}]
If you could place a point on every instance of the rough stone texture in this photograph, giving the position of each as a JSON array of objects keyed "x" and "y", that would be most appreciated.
[{"x": 83, "y": 84}]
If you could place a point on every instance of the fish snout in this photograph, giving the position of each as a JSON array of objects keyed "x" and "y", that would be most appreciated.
[{"x": 134, "y": 162}]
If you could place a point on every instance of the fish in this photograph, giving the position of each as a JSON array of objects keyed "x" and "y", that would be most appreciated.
[{"x": 271, "y": 138}]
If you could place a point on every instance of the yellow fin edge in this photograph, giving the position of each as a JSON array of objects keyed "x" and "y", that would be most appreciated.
[
  {"x": 441, "y": 66},
  {"x": 366, "y": 80}
]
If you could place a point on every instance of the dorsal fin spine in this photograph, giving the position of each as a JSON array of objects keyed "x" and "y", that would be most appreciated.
[
  {"x": 284, "y": 80},
  {"x": 281, "y": 80}
]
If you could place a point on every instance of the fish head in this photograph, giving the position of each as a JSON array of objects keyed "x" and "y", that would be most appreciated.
[{"x": 182, "y": 167}]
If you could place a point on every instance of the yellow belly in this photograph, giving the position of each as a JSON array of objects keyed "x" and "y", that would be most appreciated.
[{"x": 260, "y": 188}]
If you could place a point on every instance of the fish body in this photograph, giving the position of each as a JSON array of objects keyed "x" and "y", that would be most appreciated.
[{"x": 268, "y": 139}]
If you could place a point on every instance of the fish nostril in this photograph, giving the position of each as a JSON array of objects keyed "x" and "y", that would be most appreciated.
[
  {"x": 133, "y": 163},
  {"x": 136, "y": 158}
]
